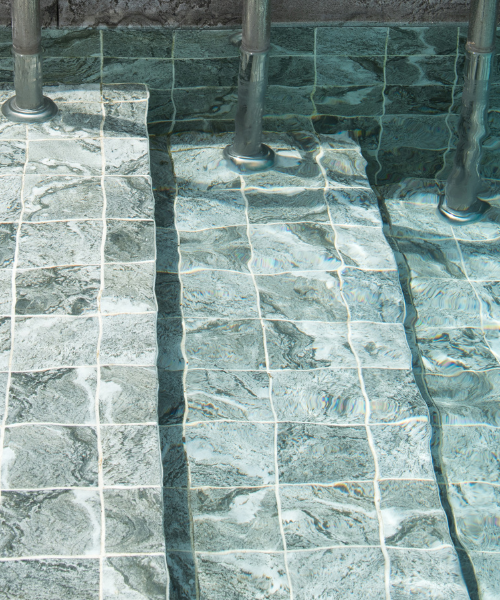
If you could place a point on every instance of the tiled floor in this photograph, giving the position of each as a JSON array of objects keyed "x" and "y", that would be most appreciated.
[{"x": 81, "y": 499}]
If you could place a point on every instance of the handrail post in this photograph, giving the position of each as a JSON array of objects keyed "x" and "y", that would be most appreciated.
[
  {"x": 247, "y": 152},
  {"x": 29, "y": 105},
  {"x": 460, "y": 202}
]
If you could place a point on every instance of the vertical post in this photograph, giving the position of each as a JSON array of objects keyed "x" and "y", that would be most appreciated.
[
  {"x": 460, "y": 202},
  {"x": 247, "y": 152},
  {"x": 29, "y": 104}
]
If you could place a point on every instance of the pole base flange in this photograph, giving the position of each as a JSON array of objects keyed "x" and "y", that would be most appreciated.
[
  {"x": 46, "y": 112},
  {"x": 462, "y": 217},
  {"x": 253, "y": 164}
]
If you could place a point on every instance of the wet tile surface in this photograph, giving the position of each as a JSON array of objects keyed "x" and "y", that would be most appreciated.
[{"x": 80, "y": 456}]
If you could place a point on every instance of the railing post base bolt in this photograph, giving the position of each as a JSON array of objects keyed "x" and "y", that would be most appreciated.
[
  {"x": 251, "y": 164},
  {"x": 46, "y": 112}
]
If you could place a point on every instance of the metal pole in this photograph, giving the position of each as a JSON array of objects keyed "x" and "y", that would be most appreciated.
[
  {"x": 460, "y": 202},
  {"x": 248, "y": 152},
  {"x": 29, "y": 105}
]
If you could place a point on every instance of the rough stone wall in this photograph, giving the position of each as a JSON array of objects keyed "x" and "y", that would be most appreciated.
[{"x": 213, "y": 13}]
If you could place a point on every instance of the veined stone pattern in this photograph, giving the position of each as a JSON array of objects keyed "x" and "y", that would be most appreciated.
[
  {"x": 81, "y": 502},
  {"x": 453, "y": 274},
  {"x": 296, "y": 445}
]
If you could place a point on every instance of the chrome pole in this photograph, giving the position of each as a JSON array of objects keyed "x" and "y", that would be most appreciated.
[
  {"x": 248, "y": 152},
  {"x": 460, "y": 202},
  {"x": 29, "y": 105}
]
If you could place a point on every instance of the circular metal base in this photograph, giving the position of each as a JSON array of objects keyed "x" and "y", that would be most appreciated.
[
  {"x": 260, "y": 162},
  {"x": 46, "y": 112},
  {"x": 462, "y": 217}
]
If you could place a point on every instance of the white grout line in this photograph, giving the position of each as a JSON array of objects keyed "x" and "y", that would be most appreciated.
[
  {"x": 371, "y": 444},
  {"x": 381, "y": 118},
  {"x": 75, "y": 556},
  {"x": 100, "y": 475},
  {"x": 271, "y": 402},
  {"x": 13, "y": 309}
]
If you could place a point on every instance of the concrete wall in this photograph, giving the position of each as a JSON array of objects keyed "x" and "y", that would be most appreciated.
[{"x": 213, "y": 13}]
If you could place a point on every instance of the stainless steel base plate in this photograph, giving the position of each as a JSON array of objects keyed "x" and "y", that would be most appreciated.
[
  {"x": 462, "y": 217},
  {"x": 261, "y": 162},
  {"x": 11, "y": 111}
]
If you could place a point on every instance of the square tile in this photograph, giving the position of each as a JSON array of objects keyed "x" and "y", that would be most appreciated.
[
  {"x": 50, "y": 157},
  {"x": 322, "y": 396},
  {"x": 218, "y": 208},
  {"x": 235, "y": 519},
  {"x": 128, "y": 288},
  {"x": 347, "y": 70},
  {"x": 131, "y": 158},
  {"x": 63, "y": 197},
  {"x": 432, "y": 259},
  {"x": 420, "y": 572},
  {"x": 234, "y": 395},
  {"x": 72, "y": 579},
  {"x": 351, "y": 41},
  {"x": 139, "y": 576},
  {"x": 128, "y": 395},
  {"x": 480, "y": 260},
  {"x": 381, "y": 345},
  {"x": 308, "y": 345},
  {"x": 125, "y": 119},
  {"x": 61, "y": 342},
  {"x": 243, "y": 576},
  {"x": 129, "y": 340},
  {"x": 230, "y": 454},
  {"x": 128, "y": 198},
  {"x": 412, "y": 515},
  {"x": 224, "y": 344},
  {"x": 129, "y": 241},
  {"x": 69, "y": 70},
  {"x": 45, "y": 456},
  {"x": 292, "y": 40},
  {"x": 65, "y": 396},
  {"x": 403, "y": 451},
  {"x": 319, "y": 516},
  {"x": 58, "y": 291},
  {"x": 8, "y": 233},
  {"x": 286, "y": 100},
  {"x": 373, "y": 295},
  {"x": 337, "y": 573},
  {"x": 353, "y": 206},
  {"x": 448, "y": 351},
  {"x": 309, "y": 296},
  {"x": 225, "y": 248},
  {"x": 411, "y": 220},
  {"x": 38, "y": 523},
  {"x": 218, "y": 294},
  {"x": 133, "y": 521},
  {"x": 131, "y": 455},
  {"x": 292, "y": 247},
  {"x": 288, "y": 205},
  {"x": 13, "y": 157},
  {"x": 10, "y": 202},
  {"x": 60, "y": 243},
  {"x": 393, "y": 395},
  {"x": 78, "y": 120},
  {"x": 304, "y": 452},
  {"x": 364, "y": 247}
]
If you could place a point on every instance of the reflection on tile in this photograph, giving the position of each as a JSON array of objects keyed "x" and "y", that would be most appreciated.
[
  {"x": 224, "y": 344},
  {"x": 331, "y": 573},
  {"x": 218, "y": 294},
  {"x": 156, "y": 73},
  {"x": 58, "y": 291},
  {"x": 403, "y": 451},
  {"x": 420, "y": 70},
  {"x": 288, "y": 247},
  {"x": 61, "y": 342},
  {"x": 480, "y": 260},
  {"x": 170, "y": 335},
  {"x": 199, "y": 43},
  {"x": 79, "y": 120},
  {"x": 243, "y": 576},
  {"x": 133, "y": 520},
  {"x": 308, "y": 345},
  {"x": 241, "y": 396},
  {"x": 129, "y": 241},
  {"x": 128, "y": 198},
  {"x": 125, "y": 119},
  {"x": 302, "y": 447},
  {"x": 432, "y": 259},
  {"x": 353, "y": 206},
  {"x": 307, "y": 296},
  {"x": 127, "y": 395},
  {"x": 349, "y": 101},
  {"x": 320, "y": 396},
  {"x": 230, "y": 454},
  {"x": 49, "y": 456},
  {"x": 38, "y": 523},
  {"x": 345, "y": 168},
  {"x": 409, "y": 99},
  {"x": 53, "y": 396},
  {"x": 436, "y": 40},
  {"x": 128, "y": 288},
  {"x": 129, "y": 159},
  {"x": 211, "y": 208},
  {"x": 411, "y": 220},
  {"x": 345, "y": 70},
  {"x": 129, "y": 339},
  {"x": 234, "y": 519},
  {"x": 71, "y": 579},
  {"x": 364, "y": 247},
  {"x": 412, "y": 514},
  {"x": 381, "y": 345},
  {"x": 319, "y": 517},
  {"x": 423, "y": 573},
  {"x": 289, "y": 205},
  {"x": 486, "y": 568},
  {"x": 141, "y": 577},
  {"x": 347, "y": 41},
  {"x": 171, "y": 401},
  {"x": 50, "y": 157}
]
